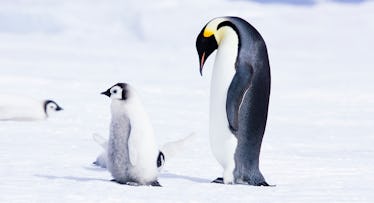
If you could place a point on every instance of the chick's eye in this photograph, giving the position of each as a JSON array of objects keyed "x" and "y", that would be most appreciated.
[{"x": 114, "y": 91}]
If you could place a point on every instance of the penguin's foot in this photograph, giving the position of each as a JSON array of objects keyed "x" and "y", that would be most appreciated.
[
  {"x": 155, "y": 184},
  {"x": 262, "y": 184},
  {"x": 132, "y": 183},
  {"x": 218, "y": 180},
  {"x": 119, "y": 182},
  {"x": 126, "y": 183},
  {"x": 265, "y": 184}
]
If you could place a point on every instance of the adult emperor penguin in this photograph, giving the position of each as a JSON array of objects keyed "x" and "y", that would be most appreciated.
[
  {"x": 239, "y": 96},
  {"x": 19, "y": 108},
  {"x": 132, "y": 152}
]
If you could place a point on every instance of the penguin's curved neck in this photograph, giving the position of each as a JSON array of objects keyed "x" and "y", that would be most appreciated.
[
  {"x": 227, "y": 52},
  {"x": 227, "y": 36}
]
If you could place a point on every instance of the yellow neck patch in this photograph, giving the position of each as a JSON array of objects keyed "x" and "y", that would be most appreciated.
[{"x": 208, "y": 33}]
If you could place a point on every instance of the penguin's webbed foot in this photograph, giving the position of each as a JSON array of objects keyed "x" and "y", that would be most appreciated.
[
  {"x": 155, "y": 184},
  {"x": 255, "y": 183},
  {"x": 263, "y": 184},
  {"x": 126, "y": 183},
  {"x": 119, "y": 182},
  {"x": 218, "y": 180},
  {"x": 132, "y": 183}
]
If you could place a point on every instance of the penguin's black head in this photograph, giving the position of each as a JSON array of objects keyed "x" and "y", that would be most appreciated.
[
  {"x": 50, "y": 107},
  {"x": 118, "y": 91},
  {"x": 206, "y": 44},
  {"x": 211, "y": 36}
]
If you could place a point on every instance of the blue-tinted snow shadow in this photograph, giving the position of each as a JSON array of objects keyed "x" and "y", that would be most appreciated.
[
  {"x": 303, "y": 2},
  {"x": 189, "y": 178},
  {"x": 162, "y": 175},
  {"x": 22, "y": 23},
  {"x": 72, "y": 178},
  {"x": 95, "y": 168},
  {"x": 84, "y": 179}
]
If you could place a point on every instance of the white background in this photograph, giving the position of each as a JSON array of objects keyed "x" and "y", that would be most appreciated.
[{"x": 318, "y": 146}]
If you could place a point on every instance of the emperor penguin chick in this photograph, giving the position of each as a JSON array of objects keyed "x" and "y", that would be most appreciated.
[
  {"x": 20, "y": 108},
  {"x": 131, "y": 151}
]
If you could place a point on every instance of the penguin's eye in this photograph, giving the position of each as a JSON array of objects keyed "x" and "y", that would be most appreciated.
[
  {"x": 114, "y": 91},
  {"x": 52, "y": 107}
]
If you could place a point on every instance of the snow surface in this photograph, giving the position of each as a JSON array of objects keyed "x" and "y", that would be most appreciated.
[{"x": 318, "y": 145}]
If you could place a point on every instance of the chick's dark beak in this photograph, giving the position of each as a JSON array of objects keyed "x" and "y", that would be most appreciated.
[{"x": 107, "y": 93}]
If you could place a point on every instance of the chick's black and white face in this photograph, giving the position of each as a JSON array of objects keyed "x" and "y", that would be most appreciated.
[
  {"x": 117, "y": 91},
  {"x": 51, "y": 107}
]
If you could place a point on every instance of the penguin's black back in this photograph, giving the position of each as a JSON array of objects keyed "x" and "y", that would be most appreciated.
[
  {"x": 252, "y": 52},
  {"x": 252, "y": 118}
]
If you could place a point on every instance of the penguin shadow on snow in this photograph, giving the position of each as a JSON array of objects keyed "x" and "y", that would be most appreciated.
[
  {"x": 189, "y": 178},
  {"x": 72, "y": 178},
  {"x": 94, "y": 167}
]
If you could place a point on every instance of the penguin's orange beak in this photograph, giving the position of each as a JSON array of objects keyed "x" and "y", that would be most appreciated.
[{"x": 202, "y": 61}]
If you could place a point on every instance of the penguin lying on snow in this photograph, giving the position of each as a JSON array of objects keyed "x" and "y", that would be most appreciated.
[
  {"x": 17, "y": 108},
  {"x": 131, "y": 154},
  {"x": 239, "y": 96}
]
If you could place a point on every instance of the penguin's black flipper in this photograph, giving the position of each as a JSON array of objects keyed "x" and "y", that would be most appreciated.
[
  {"x": 160, "y": 159},
  {"x": 218, "y": 180},
  {"x": 239, "y": 85}
]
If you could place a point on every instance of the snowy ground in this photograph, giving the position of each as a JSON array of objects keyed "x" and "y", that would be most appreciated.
[{"x": 318, "y": 146}]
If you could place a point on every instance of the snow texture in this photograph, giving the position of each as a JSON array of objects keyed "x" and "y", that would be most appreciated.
[{"x": 318, "y": 145}]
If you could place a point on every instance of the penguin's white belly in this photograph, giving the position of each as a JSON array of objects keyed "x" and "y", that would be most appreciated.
[
  {"x": 142, "y": 145},
  {"x": 223, "y": 142},
  {"x": 145, "y": 166}
]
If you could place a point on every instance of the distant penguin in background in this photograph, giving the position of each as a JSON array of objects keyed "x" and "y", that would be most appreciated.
[
  {"x": 132, "y": 152},
  {"x": 239, "y": 96},
  {"x": 18, "y": 108}
]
